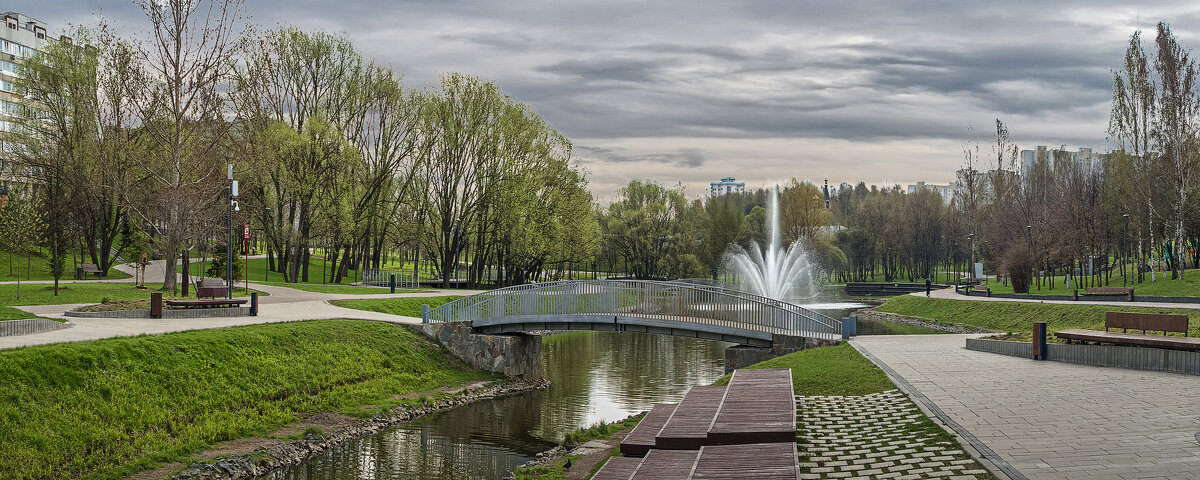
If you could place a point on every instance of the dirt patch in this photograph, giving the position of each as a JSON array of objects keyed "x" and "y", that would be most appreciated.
[
  {"x": 584, "y": 465},
  {"x": 115, "y": 305},
  {"x": 326, "y": 421},
  {"x": 158, "y": 473},
  {"x": 457, "y": 390}
]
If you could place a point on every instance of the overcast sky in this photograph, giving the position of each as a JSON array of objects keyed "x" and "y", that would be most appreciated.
[{"x": 692, "y": 91}]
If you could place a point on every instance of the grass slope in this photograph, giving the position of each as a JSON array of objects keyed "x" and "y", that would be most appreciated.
[
  {"x": 1019, "y": 316},
  {"x": 1188, "y": 287},
  {"x": 78, "y": 292},
  {"x": 9, "y": 313},
  {"x": 835, "y": 370},
  {"x": 108, "y": 408},
  {"x": 408, "y": 307},
  {"x": 39, "y": 268}
]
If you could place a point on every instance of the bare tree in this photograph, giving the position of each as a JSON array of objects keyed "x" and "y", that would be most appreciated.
[
  {"x": 1178, "y": 109},
  {"x": 179, "y": 95}
]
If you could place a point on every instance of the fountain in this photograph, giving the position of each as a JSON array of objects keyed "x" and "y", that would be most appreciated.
[{"x": 772, "y": 271}]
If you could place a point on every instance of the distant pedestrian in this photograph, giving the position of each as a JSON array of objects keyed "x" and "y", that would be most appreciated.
[{"x": 928, "y": 286}]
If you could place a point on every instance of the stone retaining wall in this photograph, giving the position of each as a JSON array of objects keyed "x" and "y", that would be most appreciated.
[
  {"x": 168, "y": 313},
  {"x": 28, "y": 326},
  {"x": 1136, "y": 358},
  {"x": 741, "y": 356},
  {"x": 516, "y": 356},
  {"x": 265, "y": 459}
]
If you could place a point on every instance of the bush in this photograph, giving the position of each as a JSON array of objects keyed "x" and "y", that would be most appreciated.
[{"x": 1018, "y": 268}]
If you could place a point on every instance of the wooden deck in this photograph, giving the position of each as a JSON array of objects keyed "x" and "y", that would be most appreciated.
[
  {"x": 687, "y": 429},
  {"x": 641, "y": 439},
  {"x": 754, "y": 461},
  {"x": 618, "y": 468},
  {"x": 758, "y": 461},
  {"x": 1135, "y": 339},
  {"x": 666, "y": 465},
  {"x": 759, "y": 407}
]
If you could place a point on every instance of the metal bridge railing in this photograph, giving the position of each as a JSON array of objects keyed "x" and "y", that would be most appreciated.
[
  {"x": 685, "y": 303},
  {"x": 380, "y": 278}
]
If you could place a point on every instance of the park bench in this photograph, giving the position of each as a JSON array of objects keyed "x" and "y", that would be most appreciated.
[
  {"x": 89, "y": 269},
  {"x": 210, "y": 287},
  {"x": 209, "y": 303},
  {"x": 1152, "y": 322},
  {"x": 1107, "y": 291}
]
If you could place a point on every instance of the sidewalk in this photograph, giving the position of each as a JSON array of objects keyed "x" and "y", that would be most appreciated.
[
  {"x": 1049, "y": 419},
  {"x": 950, "y": 294}
]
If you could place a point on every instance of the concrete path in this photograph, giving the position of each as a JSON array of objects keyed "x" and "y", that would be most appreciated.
[
  {"x": 283, "y": 305},
  {"x": 949, "y": 294},
  {"x": 1048, "y": 419}
]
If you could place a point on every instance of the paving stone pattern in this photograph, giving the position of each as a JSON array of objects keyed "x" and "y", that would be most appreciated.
[{"x": 882, "y": 435}]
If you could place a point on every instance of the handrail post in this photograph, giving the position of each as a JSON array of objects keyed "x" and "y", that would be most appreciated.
[{"x": 425, "y": 313}]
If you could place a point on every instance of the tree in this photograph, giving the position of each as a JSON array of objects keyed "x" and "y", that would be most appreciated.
[
  {"x": 1176, "y": 129},
  {"x": 22, "y": 223},
  {"x": 643, "y": 226},
  {"x": 803, "y": 213},
  {"x": 179, "y": 98}
]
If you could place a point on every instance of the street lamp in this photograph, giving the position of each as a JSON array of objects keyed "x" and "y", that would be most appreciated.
[
  {"x": 267, "y": 233},
  {"x": 971, "y": 267},
  {"x": 1124, "y": 250},
  {"x": 232, "y": 191}
]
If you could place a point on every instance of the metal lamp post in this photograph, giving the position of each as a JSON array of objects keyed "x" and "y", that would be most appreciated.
[
  {"x": 267, "y": 233},
  {"x": 232, "y": 190},
  {"x": 971, "y": 267},
  {"x": 1124, "y": 250}
]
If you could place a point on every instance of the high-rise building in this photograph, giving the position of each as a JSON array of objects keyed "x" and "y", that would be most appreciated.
[
  {"x": 726, "y": 186},
  {"x": 20, "y": 38}
]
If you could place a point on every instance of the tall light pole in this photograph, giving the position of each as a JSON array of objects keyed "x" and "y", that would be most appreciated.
[
  {"x": 1124, "y": 250},
  {"x": 232, "y": 190},
  {"x": 971, "y": 267},
  {"x": 267, "y": 233}
]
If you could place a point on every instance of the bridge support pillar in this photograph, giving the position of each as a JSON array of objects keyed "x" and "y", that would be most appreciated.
[
  {"x": 741, "y": 356},
  {"x": 516, "y": 356}
]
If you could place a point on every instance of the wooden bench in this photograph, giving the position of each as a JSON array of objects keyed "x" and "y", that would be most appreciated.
[
  {"x": 210, "y": 287},
  {"x": 1137, "y": 321},
  {"x": 91, "y": 268},
  {"x": 1126, "y": 291},
  {"x": 210, "y": 303}
]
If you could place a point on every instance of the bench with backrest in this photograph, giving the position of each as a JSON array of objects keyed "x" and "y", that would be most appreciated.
[
  {"x": 1107, "y": 291},
  {"x": 210, "y": 287},
  {"x": 1145, "y": 322},
  {"x": 91, "y": 268},
  {"x": 208, "y": 303}
]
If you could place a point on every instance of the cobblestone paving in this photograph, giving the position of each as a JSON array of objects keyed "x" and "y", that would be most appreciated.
[{"x": 882, "y": 435}]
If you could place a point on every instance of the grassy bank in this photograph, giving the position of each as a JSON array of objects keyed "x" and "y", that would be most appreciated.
[
  {"x": 1164, "y": 286},
  {"x": 1019, "y": 316},
  {"x": 836, "y": 370},
  {"x": 81, "y": 292},
  {"x": 9, "y": 313},
  {"x": 37, "y": 267},
  {"x": 108, "y": 408},
  {"x": 408, "y": 307}
]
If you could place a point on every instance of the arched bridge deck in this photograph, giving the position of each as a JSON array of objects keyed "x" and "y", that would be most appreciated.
[{"x": 637, "y": 306}]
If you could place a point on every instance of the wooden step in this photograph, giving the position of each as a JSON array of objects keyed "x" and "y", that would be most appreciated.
[
  {"x": 618, "y": 468},
  {"x": 666, "y": 465},
  {"x": 641, "y": 438},
  {"x": 687, "y": 429},
  {"x": 759, "y": 407},
  {"x": 755, "y": 461}
]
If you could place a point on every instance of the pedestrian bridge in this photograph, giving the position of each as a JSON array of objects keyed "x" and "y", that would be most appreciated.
[{"x": 672, "y": 308}]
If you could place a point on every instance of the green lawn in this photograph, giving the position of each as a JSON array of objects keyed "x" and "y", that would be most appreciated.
[
  {"x": 39, "y": 268},
  {"x": 9, "y": 313},
  {"x": 408, "y": 307},
  {"x": 339, "y": 289},
  {"x": 109, "y": 408},
  {"x": 1188, "y": 287},
  {"x": 836, "y": 370},
  {"x": 78, "y": 292},
  {"x": 1019, "y": 316}
]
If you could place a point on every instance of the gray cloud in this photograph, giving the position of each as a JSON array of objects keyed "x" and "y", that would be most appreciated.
[{"x": 869, "y": 90}]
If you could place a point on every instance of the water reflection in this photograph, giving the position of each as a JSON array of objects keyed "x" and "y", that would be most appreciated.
[{"x": 595, "y": 376}]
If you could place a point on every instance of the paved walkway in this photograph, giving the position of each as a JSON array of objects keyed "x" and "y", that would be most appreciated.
[
  {"x": 283, "y": 305},
  {"x": 948, "y": 293},
  {"x": 1049, "y": 419}
]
